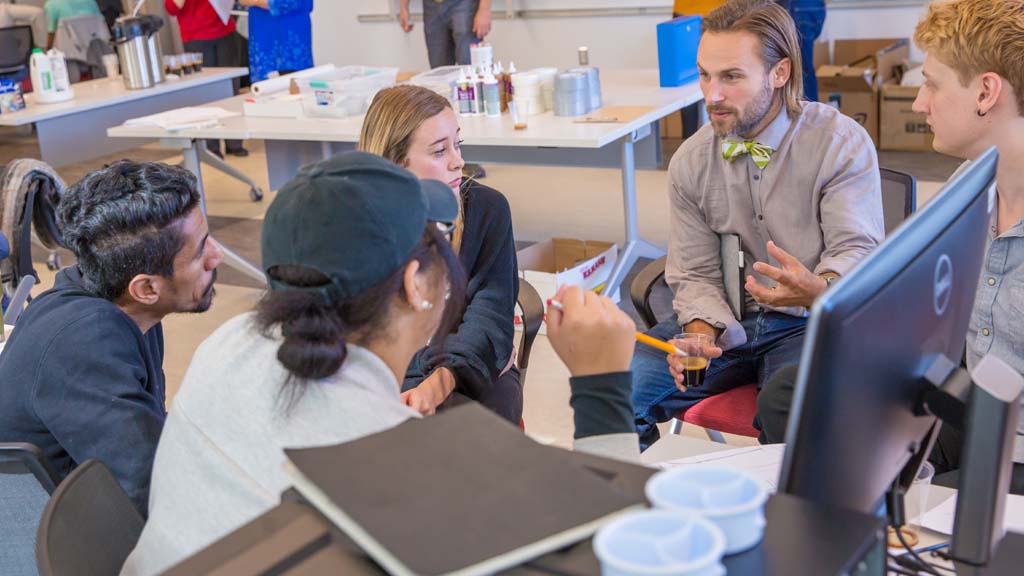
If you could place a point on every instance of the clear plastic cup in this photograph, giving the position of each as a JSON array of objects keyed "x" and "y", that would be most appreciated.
[
  {"x": 660, "y": 543},
  {"x": 916, "y": 500},
  {"x": 695, "y": 359},
  {"x": 520, "y": 109},
  {"x": 732, "y": 499}
]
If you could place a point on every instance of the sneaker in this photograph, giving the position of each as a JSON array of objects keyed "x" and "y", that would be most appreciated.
[{"x": 240, "y": 152}]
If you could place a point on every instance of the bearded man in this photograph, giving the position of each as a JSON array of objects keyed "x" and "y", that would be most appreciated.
[{"x": 797, "y": 182}]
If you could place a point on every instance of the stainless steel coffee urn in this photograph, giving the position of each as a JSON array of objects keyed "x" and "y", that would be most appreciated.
[
  {"x": 138, "y": 49},
  {"x": 156, "y": 53}
]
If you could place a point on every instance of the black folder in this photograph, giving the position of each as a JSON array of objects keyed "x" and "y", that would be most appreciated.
[{"x": 463, "y": 493}]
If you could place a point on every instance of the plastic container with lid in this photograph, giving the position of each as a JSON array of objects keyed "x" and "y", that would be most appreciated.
[
  {"x": 345, "y": 91},
  {"x": 731, "y": 498},
  {"x": 660, "y": 543}
]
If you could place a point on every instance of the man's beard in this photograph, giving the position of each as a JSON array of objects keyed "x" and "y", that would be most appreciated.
[
  {"x": 753, "y": 117},
  {"x": 207, "y": 300}
]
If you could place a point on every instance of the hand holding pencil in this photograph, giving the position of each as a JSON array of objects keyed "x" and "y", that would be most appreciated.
[{"x": 589, "y": 332}]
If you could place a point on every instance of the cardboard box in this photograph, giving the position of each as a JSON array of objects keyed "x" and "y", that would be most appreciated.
[
  {"x": 671, "y": 126},
  {"x": 553, "y": 263},
  {"x": 853, "y": 78},
  {"x": 901, "y": 127}
]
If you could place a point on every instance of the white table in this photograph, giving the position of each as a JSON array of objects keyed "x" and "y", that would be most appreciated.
[
  {"x": 75, "y": 130},
  {"x": 549, "y": 140}
]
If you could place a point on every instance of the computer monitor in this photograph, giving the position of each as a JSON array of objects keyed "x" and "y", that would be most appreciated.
[{"x": 869, "y": 341}]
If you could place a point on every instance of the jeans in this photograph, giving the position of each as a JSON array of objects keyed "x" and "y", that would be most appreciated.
[
  {"x": 228, "y": 50},
  {"x": 774, "y": 341},
  {"x": 809, "y": 16},
  {"x": 448, "y": 27}
]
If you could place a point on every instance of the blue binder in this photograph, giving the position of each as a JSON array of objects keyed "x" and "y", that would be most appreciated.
[{"x": 677, "y": 50}]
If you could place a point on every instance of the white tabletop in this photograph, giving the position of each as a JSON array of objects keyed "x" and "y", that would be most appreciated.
[
  {"x": 619, "y": 88},
  {"x": 105, "y": 92}
]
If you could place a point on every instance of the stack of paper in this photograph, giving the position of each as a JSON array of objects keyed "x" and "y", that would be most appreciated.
[
  {"x": 183, "y": 118},
  {"x": 942, "y": 516},
  {"x": 762, "y": 462}
]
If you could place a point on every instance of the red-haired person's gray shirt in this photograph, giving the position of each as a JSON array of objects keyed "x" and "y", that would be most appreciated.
[{"x": 819, "y": 198}]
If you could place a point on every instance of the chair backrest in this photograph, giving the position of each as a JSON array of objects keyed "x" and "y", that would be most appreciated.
[
  {"x": 15, "y": 48},
  {"x": 89, "y": 525},
  {"x": 26, "y": 481},
  {"x": 532, "y": 315},
  {"x": 899, "y": 198}
]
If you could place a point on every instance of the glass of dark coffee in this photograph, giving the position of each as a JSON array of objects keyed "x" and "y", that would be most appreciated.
[{"x": 694, "y": 357}]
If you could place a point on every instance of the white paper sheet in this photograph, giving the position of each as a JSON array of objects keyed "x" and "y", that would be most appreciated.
[
  {"x": 941, "y": 517},
  {"x": 763, "y": 462},
  {"x": 182, "y": 118}
]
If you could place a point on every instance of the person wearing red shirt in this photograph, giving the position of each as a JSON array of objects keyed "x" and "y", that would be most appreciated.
[{"x": 202, "y": 30}]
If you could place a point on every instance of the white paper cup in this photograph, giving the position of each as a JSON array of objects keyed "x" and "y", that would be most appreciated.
[
  {"x": 111, "y": 65},
  {"x": 660, "y": 543},
  {"x": 731, "y": 498}
]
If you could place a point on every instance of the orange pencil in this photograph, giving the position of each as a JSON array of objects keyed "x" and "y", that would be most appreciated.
[
  {"x": 640, "y": 337},
  {"x": 655, "y": 343}
]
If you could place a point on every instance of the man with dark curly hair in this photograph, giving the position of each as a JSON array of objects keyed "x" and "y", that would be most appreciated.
[{"x": 82, "y": 375}]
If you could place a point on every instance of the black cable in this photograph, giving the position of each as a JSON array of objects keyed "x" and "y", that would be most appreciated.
[
  {"x": 898, "y": 570},
  {"x": 925, "y": 565}
]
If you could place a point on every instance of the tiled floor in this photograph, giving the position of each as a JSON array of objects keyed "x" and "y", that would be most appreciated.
[{"x": 546, "y": 202}]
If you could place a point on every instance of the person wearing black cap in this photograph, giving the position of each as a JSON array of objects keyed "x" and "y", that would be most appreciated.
[{"x": 360, "y": 278}]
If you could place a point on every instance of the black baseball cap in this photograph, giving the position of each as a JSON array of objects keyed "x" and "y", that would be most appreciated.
[{"x": 354, "y": 217}]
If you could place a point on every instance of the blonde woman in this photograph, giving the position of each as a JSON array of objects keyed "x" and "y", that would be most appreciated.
[{"x": 418, "y": 130}]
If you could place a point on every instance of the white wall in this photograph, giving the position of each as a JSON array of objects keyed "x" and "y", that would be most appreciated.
[{"x": 614, "y": 42}]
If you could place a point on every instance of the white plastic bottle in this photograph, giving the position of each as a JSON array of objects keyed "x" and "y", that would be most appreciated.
[
  {"x": 492, "y": 96},
  {"x": 42, "y": 73},
  {"x": 465, "y": 95},
  {"x": 471, "y": 91},
  {"x": 59, "y": 67},
  {"x": 478, "y": 93}
]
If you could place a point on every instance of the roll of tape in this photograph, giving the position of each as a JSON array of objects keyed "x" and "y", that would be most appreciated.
[{"x": 593, "y": 84}]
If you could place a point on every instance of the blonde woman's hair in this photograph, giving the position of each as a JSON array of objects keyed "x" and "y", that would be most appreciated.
[
  {"x": 393, "y": 117},
  {"x": 774, "y": 28},
  {"x": 977, "y": 36}
]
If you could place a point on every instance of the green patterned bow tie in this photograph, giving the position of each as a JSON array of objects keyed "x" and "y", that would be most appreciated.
[{"x": 759, "y": 153}]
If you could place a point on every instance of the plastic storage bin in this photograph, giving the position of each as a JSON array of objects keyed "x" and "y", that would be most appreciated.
[
  {"x": 677, "y": 50},
  {"x": 441, "y": 80},
  {"x": 345, "y": 91}
]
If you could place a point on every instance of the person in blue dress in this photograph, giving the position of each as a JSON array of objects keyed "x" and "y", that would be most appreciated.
[{"x": 280, "y": 36}]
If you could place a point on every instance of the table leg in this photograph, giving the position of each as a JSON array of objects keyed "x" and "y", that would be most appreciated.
[
  {"x": 231, "y": 258},
  {"x": 635, "y": 246}
]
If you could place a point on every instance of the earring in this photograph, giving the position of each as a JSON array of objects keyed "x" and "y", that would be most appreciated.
[
  {"x": 426, "y": 305},
  {"x": 980, "y": 113}
]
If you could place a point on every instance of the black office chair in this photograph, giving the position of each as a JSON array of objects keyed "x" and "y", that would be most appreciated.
[
  {"x": 89, "y": 525},
  {"x": 26, "y": 481},
  {"x": 899, "y": 200},
  {"x": 15, "y": 52}
]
